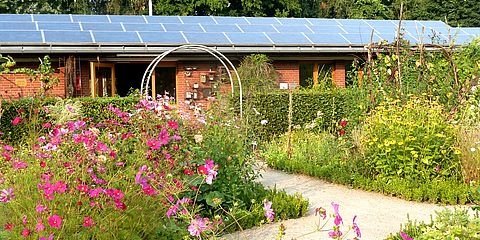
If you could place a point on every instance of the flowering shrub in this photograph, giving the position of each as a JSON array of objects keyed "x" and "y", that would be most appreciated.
[
  {"x": 136, "y": 175},
  {"x": 411, "y": 140}
]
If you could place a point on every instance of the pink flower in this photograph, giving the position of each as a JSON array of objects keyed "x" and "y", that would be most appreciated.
[
  {"x": 94, "y": 193},
  {"x": 41, "y": 208},
  {"x": 24, "y": 219},
  {"x": 87, "y": 222},
  {"x": 115, "y": 194},
  {"x": 25, "y": 232},
  {"x": 172, "y": 124},
  {"x": 341, "y": 132},
  {"x": 6, "y": 195},
  {"x": 16, "y": 121},
  {"x": 338, "y": 219},
  {"x": 405, "y": 236},
  {"x": 163, "y": 137},
  {"x": 197, "y": 226},
  {"x": 8, "y": 227},
  {"x": 321, "y": 211},
  {"x": 17, "y": 164},
  {"x": 39, "y": 227},
  {"x": 154, "y": 144},
  {"x": 49, "y": 237},
  {"x": 120, "y": 205},
  {"x": 355, "y": 228},
  {"x": 172, "y": 210},
  {"x": 269, "y": 213},
  {"x": 208, "y": 169},
  {"x": 83, "y": 188},
  {"x": 335, "y": 233},
  {"x": 55, "y": 221},
  {"x": 60, "y": 187},
  {"x": 148, "y": 190},
  {"x": 8, "y": 148},
  {"x": 343, "y": 122}
]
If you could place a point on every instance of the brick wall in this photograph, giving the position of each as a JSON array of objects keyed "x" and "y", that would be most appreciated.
[
  {"x": 83, "y": 75},
  {"x": 13, "y": 86},
  {"x": 289, "y": 71},
  {"x": 338, "y": 74}
]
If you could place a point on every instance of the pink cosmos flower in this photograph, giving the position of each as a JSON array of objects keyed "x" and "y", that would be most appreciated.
[
  {"x": 60, "y": 187},
  {"x": 197, "y": 226},
  {"x": 17, "y": 164},
  {"x": 94, "y": 193},
  {"x": 49, "y": 237},
  {"x": 8, "y": 148},
  {"x": 148, "y": 190},
  {"x": 338, "y": 219},
  {"x": 87, "y": 222},
  {"x": 172, "y": 124},
  {"x": 335, "y": 233},
  {"x": 55, "y": 221},
  {"x": 343, "y": 122},
  {"x": 24, "y": 219},
  {"x": 405, "y": 236},
  {"x": 154, "y": 144},
  {"x": 355, "y": 228},
  {"x": 172, "y": 210},
  {"x": 8, "y": 227},
  {"x": 25, "y": 232},
  {"x": 208, "y": 169},
  {"x": 16, "y": 121},
  {"x": 163, "y": 137},
  {"x": 41, "y": 208},
  {"x": 116, "y": 194},
  {"x": 120, "y": 205},
  {"x": 39, "y": 227},
  {"x": 321, "y": 211},
  {"x": 83, "y": 188},
  {"x": 269, "y": 213},
  {"x": 6, "y": 195}
]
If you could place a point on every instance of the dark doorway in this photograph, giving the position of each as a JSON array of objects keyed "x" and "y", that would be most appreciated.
[
  {"x": 129, "y": 77},
  {"x": 165, "y": 81}
]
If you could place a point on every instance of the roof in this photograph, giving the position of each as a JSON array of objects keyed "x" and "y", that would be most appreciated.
[{"x": 122, "y": 33}]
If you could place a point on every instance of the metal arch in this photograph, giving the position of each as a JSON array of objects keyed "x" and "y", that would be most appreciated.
[{"x": 211, "y": 51}]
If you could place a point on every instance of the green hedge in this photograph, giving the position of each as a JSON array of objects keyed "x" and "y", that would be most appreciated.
[
  {"x": 326, "y": 107},
  {"x": 33, "y": 114}
]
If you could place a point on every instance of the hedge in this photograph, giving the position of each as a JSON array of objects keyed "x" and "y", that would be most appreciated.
[
  {"x": 327, "y": 107},
  {"x": 32, "y": 109}
]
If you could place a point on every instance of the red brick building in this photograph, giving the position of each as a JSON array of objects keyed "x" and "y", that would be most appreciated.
[{"x": 104, "y": 55}]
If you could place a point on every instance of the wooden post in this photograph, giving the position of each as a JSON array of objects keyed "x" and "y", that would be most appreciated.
[
  {"x": 69, "y": 76},
  {"x": 92, "y": 79},
  {"x": 290, "y": 111},
  {"x": 315, "y": 74}
]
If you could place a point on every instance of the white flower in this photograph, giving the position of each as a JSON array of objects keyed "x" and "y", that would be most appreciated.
[
  {"x": 256, "y": 112},
  {"x": 198, "y": 138},
  {"x": 473, "y": 149},
  {"x": 263, "y": 122}
]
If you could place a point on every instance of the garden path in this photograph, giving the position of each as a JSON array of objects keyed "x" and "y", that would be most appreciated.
[{"x": 377, "y": 215}]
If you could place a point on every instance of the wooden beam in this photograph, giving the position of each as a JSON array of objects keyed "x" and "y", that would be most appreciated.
[
  {"x": 92, "y": 79},
  {"x": 315, "y": 74},
  {"x": 114, "y": 81},
  {"x": 154, "y": 87}
]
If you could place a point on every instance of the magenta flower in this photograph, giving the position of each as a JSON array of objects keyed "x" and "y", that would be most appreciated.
[
  {"x": 208, "y": 169},
  {"x": 25, "y": 232},
  {"x": 338, "y": 219},
  {"x": 335, "y": 233},
  {"x": 321, "y": 211},
  {"x": 16, "y": 120},
  {"x": 120, "y": 205},
  {"x": 6, "y": 195},
  {"x": 163, "y": 137},
  {"x": 405, "y": 236},
  {"x": 17, "y": 164},
  {"x": 8, "y": 148},
  {"x": 197, "y": 226},
  {"x": 87, "y": 222},
  {"x": 94, "y": 193},
  {"x": 55, "y": 221},
  {"x": 83, "y": 188},
  {"x": 60, "y": 187},
  {"x": 49, "y": 237},
  {"x": 269, "y": 213},
  {"x": 154, "y": 144},
  {"x": 172, "y": 124},
  {"x": 172, "y": 210},
  {"x": 355, "y": 227},
  {"x": 148, "y": 190},
  {"x": 39, "y": 227},
  {"x": 41, "y": 208}
]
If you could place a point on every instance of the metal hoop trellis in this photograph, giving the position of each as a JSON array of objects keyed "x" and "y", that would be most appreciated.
[{"x": 218, "y": 55}]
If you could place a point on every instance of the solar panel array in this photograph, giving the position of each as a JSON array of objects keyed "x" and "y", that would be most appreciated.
[{"x": 219, "y": 31}]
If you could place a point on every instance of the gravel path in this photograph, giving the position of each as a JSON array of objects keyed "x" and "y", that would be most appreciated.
[{"x": 377, "y": 215}]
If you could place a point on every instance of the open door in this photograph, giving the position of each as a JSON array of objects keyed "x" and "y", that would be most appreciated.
[{"x": 102, "y": 79}]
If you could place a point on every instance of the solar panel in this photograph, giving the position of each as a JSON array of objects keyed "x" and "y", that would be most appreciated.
[
  {"x": 357, "y": 29},
  {"x": 288, "y": 38},
  {"x": 381, "y": 23},
  {"x": 15, "y": 17},
  {"x": 163, "y": 37},
  {"x": 198, "y": 19},
  {"x": 21, "y": 37},
  {"x": 293, "y": 28},
  {"x": 17, "y": 26},
  {"x": 262, "y": 20},
  {"x": 392, "y": 37},
  {"x": 102, "y": 26},
  {"x": 433, "y": 24},
  {"x": 323, "y": 21},
  {"x": 258, "y": 28},
  {"x": 473, "y": 31},
  {"x": 293, "y": 21},
  {"x": 248, "y": 38},
  {"x": 351, "y": 22},
  {"x": 127, "y": 19},
  {"x": 386, "y": 30},
  {"x": 220, "y": 28},
  {"x": 207, "y": 38},
  {"x": 327, "y": 29},
  {"x": 67, "y": 36},
  {"x": 51, "y": 18},
  {"x": 361, "y": 39},
  {"x": 116, "y": 37},
  {"x": 230, "y": 20},
  {"x": 163, "y": 19},
  {"x": 90, "y": 18},
  {"x": 332, "y": 39},
  {"x": 183, "y": 27},
  {"x": 67, "y": 26},
  {"x": 143, "y": 27},
  {"x": 462, "y": 38}
]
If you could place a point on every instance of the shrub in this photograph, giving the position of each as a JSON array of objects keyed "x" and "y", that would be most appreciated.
[
  {"x": 411, "y": 140},
  {"x": 448, "y": 224}
]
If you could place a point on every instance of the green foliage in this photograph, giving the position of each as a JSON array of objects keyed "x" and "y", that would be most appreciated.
[
  {"x": 448, "y": 224},
  {"x": 257, "y": 74},
  {"x": 33, "y": 114},
  {"x": 411, "y": 140}
]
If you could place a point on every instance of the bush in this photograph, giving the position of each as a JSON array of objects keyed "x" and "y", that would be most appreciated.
[
  {"x": 411, "y": 140},
  {"x": 32, "y": 113},
  {"x": 448, "y": 224}
]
